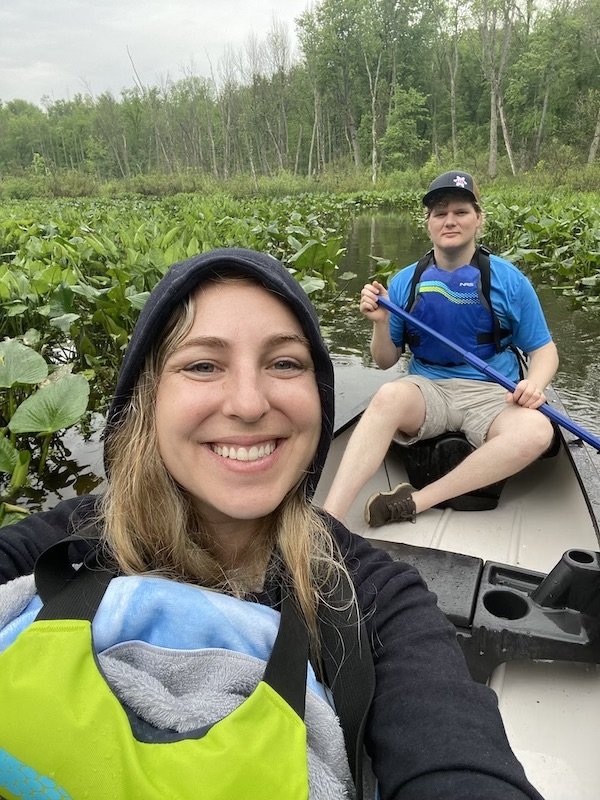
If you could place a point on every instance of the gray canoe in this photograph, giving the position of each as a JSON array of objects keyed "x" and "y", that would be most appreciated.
[{"x": 536, "y": 641}]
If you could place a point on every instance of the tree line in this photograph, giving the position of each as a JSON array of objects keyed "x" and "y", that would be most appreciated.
[{"x": 378, "y": 86}]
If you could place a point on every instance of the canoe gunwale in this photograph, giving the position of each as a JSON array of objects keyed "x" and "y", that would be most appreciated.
[{"x": 584, "y": 468}]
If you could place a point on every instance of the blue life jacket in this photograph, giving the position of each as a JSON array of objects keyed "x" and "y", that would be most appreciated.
[{"x": 456, "y": 304}]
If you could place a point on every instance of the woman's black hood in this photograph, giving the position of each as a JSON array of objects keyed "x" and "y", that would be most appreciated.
[{"x": 181, "y": 280}]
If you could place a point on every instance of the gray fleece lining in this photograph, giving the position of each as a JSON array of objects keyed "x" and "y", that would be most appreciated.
[{"x": 186, "y": 690}]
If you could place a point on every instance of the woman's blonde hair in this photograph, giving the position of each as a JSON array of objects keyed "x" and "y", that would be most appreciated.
[{"x": 150, "y": 523}]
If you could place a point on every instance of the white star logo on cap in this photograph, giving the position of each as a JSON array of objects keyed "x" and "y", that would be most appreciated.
[{"x": 460, "y": 182}]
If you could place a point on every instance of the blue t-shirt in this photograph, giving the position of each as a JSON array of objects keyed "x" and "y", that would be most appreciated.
[{"x": 515, "y": 304}]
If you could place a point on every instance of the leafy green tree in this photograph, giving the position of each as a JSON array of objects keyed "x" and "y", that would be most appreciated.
[
  {"x": 485, "y": 66},
  {"x": 402, "y": 143},
  {"x": 23, "y": 132},
  {"x": 331, "y": 35}
]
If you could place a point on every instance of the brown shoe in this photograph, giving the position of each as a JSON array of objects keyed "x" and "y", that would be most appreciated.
[{"x": 394, "y": 506}]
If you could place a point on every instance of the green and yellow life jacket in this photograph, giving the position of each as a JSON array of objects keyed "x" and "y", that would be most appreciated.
[{"x": 64, "y": 734}]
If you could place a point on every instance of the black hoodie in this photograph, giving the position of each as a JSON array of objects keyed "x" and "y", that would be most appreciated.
[
  {"x": 19, "y": 546},
  {"x": 183, "y": 279}
]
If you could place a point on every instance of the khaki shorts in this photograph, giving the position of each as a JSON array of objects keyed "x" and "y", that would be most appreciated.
[{"x": 457, "y": 404}]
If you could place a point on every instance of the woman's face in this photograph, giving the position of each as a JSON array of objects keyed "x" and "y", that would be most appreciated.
[{"x": 238, "y": 412}]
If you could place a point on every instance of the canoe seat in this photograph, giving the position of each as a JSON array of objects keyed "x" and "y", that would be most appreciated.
[{"x": 430, "y": 459}]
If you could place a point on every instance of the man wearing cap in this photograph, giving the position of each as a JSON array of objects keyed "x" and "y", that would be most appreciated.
[{"x": 440, "y": 392}]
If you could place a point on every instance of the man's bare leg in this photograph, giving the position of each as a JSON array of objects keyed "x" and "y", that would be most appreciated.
[
  {"x": 398, "y": 405},
  {"x": 516, "y": 438}
]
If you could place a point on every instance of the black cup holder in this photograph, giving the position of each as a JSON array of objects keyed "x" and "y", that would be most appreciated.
[
  {"x": 505, "y": 604},
  {"x": 506, "y": 613},
  {"x": 581, "y": 556},
  {"x": 520, "y": 614}
]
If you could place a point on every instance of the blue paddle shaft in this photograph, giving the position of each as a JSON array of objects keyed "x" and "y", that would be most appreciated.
[{"x": 492, "y": 373}]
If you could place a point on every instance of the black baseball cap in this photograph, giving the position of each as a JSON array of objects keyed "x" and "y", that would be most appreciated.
[{"x": 455, "y": 181}]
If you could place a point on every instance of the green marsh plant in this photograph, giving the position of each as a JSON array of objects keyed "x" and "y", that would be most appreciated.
[{"x": 36, "y": 403}]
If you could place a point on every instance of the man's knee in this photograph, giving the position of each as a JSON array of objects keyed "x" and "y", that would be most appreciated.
[
  {"x": 529, "y": 432},
  {"x": 400, "y": 401},
  {"x": 547, "y": 434},
  {"x": 389, "y": 396},
  {"x": 537, "y": 436}
]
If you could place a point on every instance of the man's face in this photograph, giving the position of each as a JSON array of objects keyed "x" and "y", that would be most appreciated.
[{"x": 453, "y": 223}]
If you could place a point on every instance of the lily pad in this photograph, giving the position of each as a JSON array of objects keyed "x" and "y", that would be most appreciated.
[
  {"x": 32, "y": 337},
  {"x": 312, "y": 284},
  {"x": 64, "y": 321},
  {"x": 8, "y": 456},
  {"x": 58, "y": 405},
  {"x": 20, "y": 364},
  {"x": 138, "y": 300}
]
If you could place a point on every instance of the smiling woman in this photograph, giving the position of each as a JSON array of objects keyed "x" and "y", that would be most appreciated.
[
  {"x": 222, "y": 631},
  {"x": 233, "y": 390}
]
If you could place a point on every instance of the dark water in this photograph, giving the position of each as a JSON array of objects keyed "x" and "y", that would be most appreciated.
[{"x": 576, "y": 332}]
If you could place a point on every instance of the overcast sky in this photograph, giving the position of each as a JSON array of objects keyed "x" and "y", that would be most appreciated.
[{"x": 60, "y": 48}]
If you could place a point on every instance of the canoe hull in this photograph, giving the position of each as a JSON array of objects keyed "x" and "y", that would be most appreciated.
[{"x": 551, "y": 709}]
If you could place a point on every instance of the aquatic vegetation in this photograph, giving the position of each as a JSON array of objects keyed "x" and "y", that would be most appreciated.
[
  {"x": 556, "y": 238},
  {"x": 74, "y": 275},
  {"x": 35, "y": 400}
]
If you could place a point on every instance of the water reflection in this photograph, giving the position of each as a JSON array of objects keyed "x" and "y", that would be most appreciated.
[
  {"x": 391, "y": 236},
  {"x": 577, "y": 336},
  {"x": 74, "y": 467}
]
